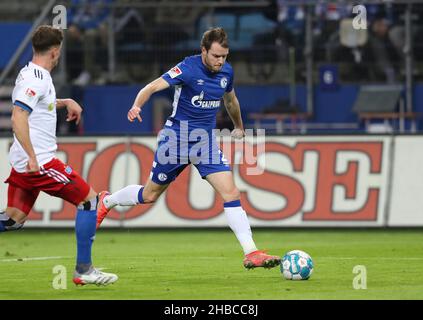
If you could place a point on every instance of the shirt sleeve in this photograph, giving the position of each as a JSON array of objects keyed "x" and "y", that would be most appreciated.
[
  {"x": 179, "y": 74},
  {"x": 28, "y": 92}
]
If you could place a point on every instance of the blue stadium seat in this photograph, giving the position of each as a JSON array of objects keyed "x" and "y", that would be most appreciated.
[
  {"x": 225, "y": 20},
  {"x": 250, "y": 25}
]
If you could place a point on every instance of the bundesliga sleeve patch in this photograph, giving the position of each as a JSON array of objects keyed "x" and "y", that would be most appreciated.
[
  {"x": 30, "y": 93},
  {"x": 174, "y": 72}
]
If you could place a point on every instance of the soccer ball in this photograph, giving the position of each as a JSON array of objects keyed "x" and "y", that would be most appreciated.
[{"x": 296, "y": 265}]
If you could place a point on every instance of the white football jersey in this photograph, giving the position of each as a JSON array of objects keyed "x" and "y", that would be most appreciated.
[{"x": 34, "y": 91}]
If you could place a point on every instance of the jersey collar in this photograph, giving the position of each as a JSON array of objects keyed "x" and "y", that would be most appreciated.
[{"x": 34, "y": 65}]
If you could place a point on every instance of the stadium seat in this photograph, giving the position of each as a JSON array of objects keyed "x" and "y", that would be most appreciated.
[
  {"x": 383, "y": 102},
  {"x": 251, "y": 25},
  {"x": 224, "y": 20}
]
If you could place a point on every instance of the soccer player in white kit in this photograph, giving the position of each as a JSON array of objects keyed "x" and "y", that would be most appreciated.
[{"x": 32, "y": 154}]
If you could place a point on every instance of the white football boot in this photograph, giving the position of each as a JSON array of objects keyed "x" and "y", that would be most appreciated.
[{"x": 94, "y": 276}]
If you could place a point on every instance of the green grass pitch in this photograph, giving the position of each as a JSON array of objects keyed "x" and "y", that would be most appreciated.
[{"x": 207, "y": 264}]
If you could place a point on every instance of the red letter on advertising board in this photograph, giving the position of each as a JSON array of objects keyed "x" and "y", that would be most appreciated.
[
  {"x": 327, "y": 179},
  {"x": 286, "y": 186}
]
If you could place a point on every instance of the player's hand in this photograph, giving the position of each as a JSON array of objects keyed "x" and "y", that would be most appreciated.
[
  {"x": 32, "y": 165},
  {"x": 238, "y": 133},
  {"x": 74, "y": 111},
  {"x": 134, "y": 113}
]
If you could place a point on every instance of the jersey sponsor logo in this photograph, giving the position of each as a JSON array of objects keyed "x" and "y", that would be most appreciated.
[
  {"x": 197, "y": 101},
  {"x": 174, "y": 72},
  {"x": 30, "y": 93},
  {"x": 200, "y": 82},
  {"x": 223, "y": 82}
]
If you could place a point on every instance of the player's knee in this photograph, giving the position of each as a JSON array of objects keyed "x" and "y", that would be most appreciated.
[{"x": 231, "y": 195}]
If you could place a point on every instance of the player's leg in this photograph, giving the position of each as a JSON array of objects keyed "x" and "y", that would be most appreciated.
[
  {"x": 135, "y": 194},
  {"x": 19, "y": 203},
  {"x": 63, "y": 182},
  {"x": 160, "y": 178},
  {"x": 11, "y": 219},
  {"x": 85, "y": 221},
  {"x": 237, "y": 219},
  {"x": 85, "y": 229},
  {"x": 163, "y": 172},
  {"x": 223, "y": 183},
  {"x": 129, "y": 196}
]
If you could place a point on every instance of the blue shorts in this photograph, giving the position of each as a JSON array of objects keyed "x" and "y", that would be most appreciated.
[{"x": 172, "y": 157}]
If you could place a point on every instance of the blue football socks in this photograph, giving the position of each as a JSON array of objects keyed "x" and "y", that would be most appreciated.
[
  {"x": 3, "y": 219},
  {"x": 85, "y": 228}
]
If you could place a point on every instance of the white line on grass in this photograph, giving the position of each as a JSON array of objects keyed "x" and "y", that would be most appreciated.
[{"x": 32, "y": 259}]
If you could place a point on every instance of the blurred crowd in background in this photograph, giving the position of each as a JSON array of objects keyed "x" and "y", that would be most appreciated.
[
  {"x": 148, "y": 37},
  {"x": 132, "y": 42}
]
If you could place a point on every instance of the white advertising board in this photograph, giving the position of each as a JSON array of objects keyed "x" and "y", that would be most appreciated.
[{"x": 310, "y": 181}]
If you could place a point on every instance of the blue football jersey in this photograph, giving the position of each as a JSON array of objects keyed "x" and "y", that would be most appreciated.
[{"x": 198, "y": 92}]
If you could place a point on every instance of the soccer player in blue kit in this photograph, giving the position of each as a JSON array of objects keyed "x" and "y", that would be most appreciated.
[{"x": 200, "y": 83}]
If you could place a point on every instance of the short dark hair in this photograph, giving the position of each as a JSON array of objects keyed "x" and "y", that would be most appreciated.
[
  {"x": 46, "y": 37},
  {"x": 214, "y": 35}
]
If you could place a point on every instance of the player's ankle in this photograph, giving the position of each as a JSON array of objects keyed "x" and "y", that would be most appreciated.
[
  {"x": 8, "y": 224},
  {"x": 82, "y": 268}
]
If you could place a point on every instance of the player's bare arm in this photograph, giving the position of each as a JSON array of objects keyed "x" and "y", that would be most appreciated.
[
  {"x": 234, "y": 111},
  {"x": 21, "y": 130},
  {"x": 74, "y": 109},
  {"x": 142, "y": 97}
]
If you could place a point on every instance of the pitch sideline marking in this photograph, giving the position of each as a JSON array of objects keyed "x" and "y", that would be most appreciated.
[
  {"x": 33, "y": 259},
  {"x": 323, "y": 258}
]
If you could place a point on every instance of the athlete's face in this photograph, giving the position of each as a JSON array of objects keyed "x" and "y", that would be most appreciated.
[{"x": 215, "y": 58}]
